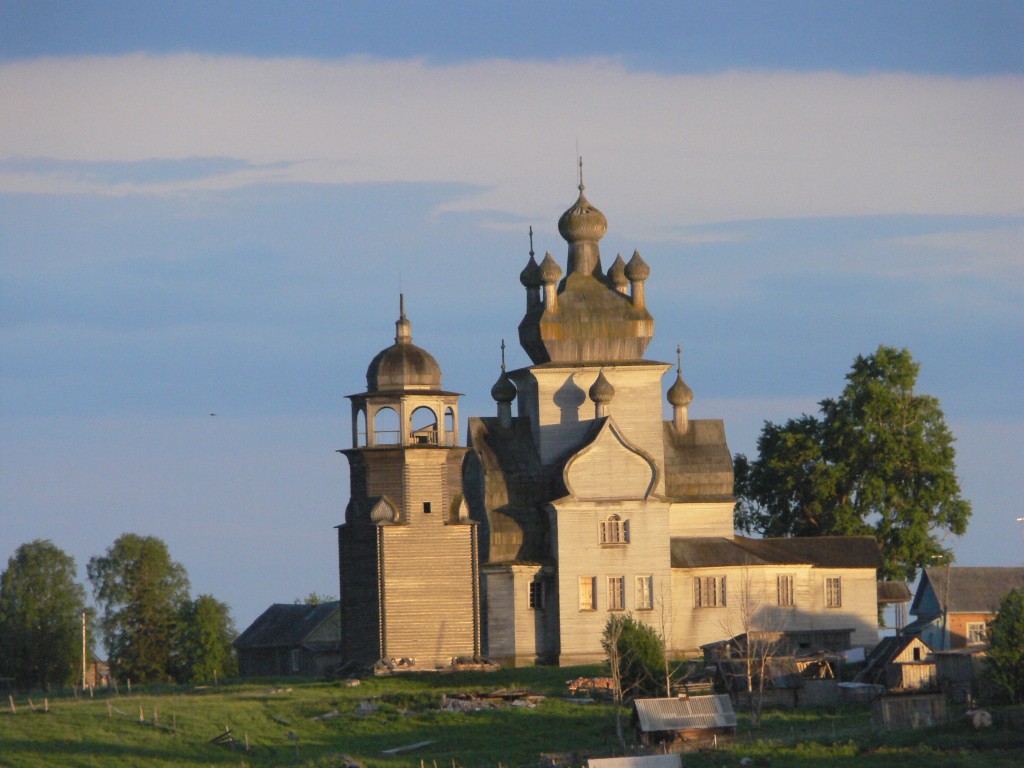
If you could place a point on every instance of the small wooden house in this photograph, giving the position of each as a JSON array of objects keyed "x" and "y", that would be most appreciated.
[
  {"x": 691, "y": 718},
  {"x": 903, "y": 662},
  {"x": 300, "y": 640}
]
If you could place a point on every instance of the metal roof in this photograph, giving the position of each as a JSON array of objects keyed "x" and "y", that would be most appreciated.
[
  {"x": 819, "y": 551},
  {"x": 673, "y": 760},
  {"x": 685, "y": 714},
  {"x": 968, "y": 589}
]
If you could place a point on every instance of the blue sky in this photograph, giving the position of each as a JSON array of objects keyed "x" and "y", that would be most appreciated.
[{"x": 211, "y": 208}]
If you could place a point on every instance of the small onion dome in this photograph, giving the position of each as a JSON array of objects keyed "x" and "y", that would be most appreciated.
[
  {"x": 582, "y": 221},
  {"x": 602, "y": 391},
  {"x": 549, "y": 270},
  {"x": 503, "y": 391},
  {"x": 679, "y": 394},
  {"x": 530, "y": 276},
  {"x": 617, "y": 271},
  {"x": 637, "y": 269}
]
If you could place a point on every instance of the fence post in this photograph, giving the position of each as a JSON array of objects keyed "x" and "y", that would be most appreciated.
[{"x": 14, "y": 709}]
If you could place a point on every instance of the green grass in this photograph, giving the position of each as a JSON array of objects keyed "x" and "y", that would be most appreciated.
[{"x": 81, "y": 733}]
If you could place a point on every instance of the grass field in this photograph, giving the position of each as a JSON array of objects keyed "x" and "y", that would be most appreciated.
[{"x": 388, "y": 712}]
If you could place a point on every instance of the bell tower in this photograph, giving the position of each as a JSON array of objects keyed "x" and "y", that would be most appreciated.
[{"x": 407, "y": 550}]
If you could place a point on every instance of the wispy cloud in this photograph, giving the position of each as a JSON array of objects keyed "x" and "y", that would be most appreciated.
[{"x": 662, "y": 149}]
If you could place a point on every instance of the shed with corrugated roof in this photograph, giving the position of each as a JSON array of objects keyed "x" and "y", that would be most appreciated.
[{"x": 686, "y": 718}]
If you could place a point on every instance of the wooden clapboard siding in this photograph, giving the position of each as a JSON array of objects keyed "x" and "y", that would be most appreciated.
[
  {"x": 558, "y": 397},
  {"x": 429, "y": 590},
  {"x": 500, "y": 591},
  {"x": 360, "y": 624},
  {"x": 701, "y": 519},
  {"x": 695, "y": 626},
  {"x": 580, "y": 554}
]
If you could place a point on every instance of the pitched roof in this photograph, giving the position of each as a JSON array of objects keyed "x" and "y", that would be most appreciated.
[
  {"x": 285, "y": 624},
  {"x": 684, "y": 714},
  {"x": 968, "y": 590},
  {"x": 819, "y": 551},
  {"x": 893, "y": 592}
]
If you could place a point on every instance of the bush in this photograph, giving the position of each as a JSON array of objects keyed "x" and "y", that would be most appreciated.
[{"x": 638, "y": 652}]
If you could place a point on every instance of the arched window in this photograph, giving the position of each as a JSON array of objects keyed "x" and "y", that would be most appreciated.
[
  {"x": 360, "y": 428},
  {"x": 614, "y": 530},
  {"x": 423, "y": 426},
  {"x": 386, "y": 427}
]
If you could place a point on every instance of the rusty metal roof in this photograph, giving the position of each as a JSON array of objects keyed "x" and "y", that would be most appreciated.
[{"x": 685, "y": 714}]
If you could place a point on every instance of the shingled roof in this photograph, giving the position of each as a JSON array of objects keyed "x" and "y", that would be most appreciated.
[
  {"x": 285, "y": 624},
  {"x": 819, "y": 551},
  {"x": 968, "y": 590}
]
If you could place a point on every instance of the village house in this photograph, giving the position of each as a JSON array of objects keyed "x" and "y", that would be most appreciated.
[
  {"x": 953, "y": 604},
  {"x": 290, "y": 639}
]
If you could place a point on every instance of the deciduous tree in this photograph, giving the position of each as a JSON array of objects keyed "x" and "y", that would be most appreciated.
[
  {"x": 202, "y": 648},
  {"x": 878, "y": 460},
  {"x": 141, "y": 591},
  {"x": 1005, "y": 655},
  {"x": 41, "y": 608}
]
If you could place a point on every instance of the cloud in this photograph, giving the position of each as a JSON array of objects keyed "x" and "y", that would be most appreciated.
[{"x": 662, "y": 150}]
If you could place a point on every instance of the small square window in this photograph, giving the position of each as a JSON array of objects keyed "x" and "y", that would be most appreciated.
[
  {"x": 976, "y": 632},
  {"x": 426, "y": 507}
]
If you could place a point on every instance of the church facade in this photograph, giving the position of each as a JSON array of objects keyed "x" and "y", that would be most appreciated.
[{"x": 583, "y": 502}]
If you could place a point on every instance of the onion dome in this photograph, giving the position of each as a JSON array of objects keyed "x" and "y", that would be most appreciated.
[
  {"x": 679, "y": 394},
  {"x": 550, "y": 272},
  {"x": 617, "y": 272},
  {"x": 530, "y": 276},
  {"x": 637, "y": 269},
  {"x": 602, "y": 391},
  {"x": 503, "y": 391},
  {"x": 582, "y": 221},
  {"x": 403, "y": 365}
]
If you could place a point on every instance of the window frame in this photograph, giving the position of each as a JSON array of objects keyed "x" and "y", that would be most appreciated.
[
  {"x": 644, "y": 592},
  {"x": 613, "y": 531},
  {"x": 971, "y": 626},
  {"x": 587, "y": 586},
  {"x": 833, "y": 591},
  {"x": 616, "y": 593},
  {"x": 785, "y": 594},
  {"x": 535, "y": 595},
  {"x": 709, "y": 592}
]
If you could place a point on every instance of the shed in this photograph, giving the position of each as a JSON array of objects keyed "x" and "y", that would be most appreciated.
[
  {"x": 903, "y": 662},
  {"x": 301, "y": 640},
  {"x": 690, "y": 718}
]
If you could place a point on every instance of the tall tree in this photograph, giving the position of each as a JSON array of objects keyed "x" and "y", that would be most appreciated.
[
  {"x": 878, "y": 460},
  {"x": 41, "y": 608},
  {"x": 202, "y": 648},
  {"x": 1005, "y": 656},
  {"x": 141, "y": 591}
]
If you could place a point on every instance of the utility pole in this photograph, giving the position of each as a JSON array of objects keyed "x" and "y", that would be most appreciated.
[{"x": 83, "y": 650}]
